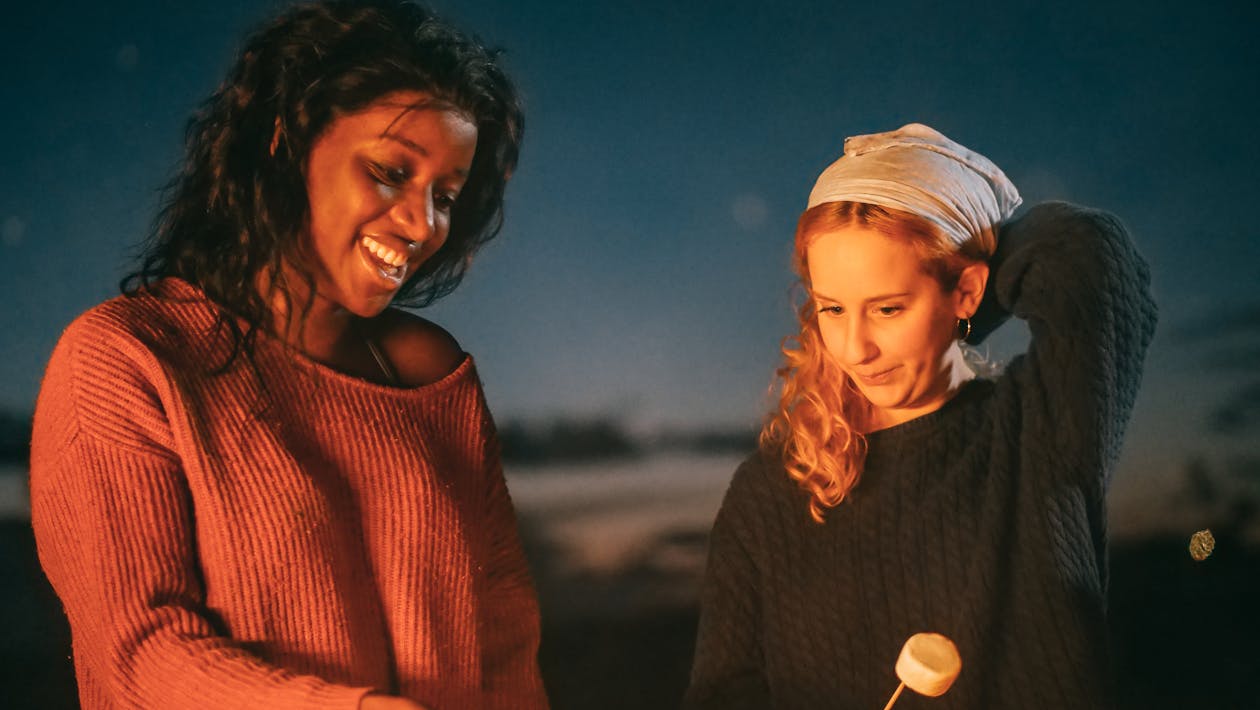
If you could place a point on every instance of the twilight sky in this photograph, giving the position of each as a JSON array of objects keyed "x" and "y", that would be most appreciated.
[{"x": 643, "y": 271}]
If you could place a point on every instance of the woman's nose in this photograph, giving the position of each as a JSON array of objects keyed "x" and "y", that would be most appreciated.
[
  {"x": 413, "y": 214},
  {"x": 858, "y": 345}
]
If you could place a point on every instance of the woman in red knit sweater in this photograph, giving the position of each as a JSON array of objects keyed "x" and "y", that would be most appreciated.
[{"x": 254, "y": 484}]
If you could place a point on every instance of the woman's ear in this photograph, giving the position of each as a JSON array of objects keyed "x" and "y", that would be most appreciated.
[{"x": 970, "y": 289}]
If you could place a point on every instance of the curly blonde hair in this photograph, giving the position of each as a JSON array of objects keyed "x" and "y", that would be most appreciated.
[{"x": 817, "y": 426}]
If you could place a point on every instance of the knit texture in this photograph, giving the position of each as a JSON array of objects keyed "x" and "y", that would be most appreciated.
[
  {"x": 984, "y": 520},
  {"x": 279, "y": 537}
]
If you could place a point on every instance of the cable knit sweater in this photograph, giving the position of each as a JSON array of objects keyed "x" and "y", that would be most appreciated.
[
  {"x": 984, "y": 520},
  {"x": 214, "y": 552}
]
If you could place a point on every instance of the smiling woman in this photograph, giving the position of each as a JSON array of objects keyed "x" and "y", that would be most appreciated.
[{"x": 254, "y": 482}]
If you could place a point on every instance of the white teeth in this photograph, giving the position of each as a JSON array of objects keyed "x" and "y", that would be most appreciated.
[{"x": 384, "y": 253}]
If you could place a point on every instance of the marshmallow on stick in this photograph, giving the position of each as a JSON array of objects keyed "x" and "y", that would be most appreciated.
[{"x": 928, "y": 664}]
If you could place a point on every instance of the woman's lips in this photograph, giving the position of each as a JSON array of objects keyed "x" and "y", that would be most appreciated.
[
  {"x": 383, "y": 252},
  {"x": 880, "y": 377},
  {"x": 387, "y": 264}
]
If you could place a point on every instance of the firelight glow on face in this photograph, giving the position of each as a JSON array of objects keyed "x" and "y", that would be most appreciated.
[
  {"x": 381, "y": 183},
  {"x": 885, "y": 322}
]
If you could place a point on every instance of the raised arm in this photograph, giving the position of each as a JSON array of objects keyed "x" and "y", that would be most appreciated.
[
  {"x": 1076, "y": 277},
  {"x": 114, "y": 524}
]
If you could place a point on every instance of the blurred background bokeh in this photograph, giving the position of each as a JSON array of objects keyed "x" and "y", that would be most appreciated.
[{"x": 627, "y": 321}]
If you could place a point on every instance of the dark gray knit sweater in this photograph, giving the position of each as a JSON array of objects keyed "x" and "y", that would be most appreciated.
[{"x": 984, "y": 520}]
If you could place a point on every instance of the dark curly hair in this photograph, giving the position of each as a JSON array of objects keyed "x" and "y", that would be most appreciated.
[{"x": 238, "y": 208}]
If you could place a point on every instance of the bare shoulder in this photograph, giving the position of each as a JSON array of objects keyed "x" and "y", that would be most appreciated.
[{"x": 421, "y": 351}]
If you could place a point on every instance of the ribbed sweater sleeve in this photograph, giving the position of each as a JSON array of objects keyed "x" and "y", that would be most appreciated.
[
  {"x": 1074, "y": 275},
  {"x": 728, "y": 673},
  {"x": 510, "y": 627},
  {"x": 115, "y": 530}
]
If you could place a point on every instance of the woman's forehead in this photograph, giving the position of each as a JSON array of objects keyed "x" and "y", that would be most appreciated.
[
  {"x": 858, "y": 263},
  {"x": 407, "y": 118}
]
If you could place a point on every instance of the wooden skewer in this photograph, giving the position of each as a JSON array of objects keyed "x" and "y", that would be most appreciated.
[{"x": 896, "y": 694}]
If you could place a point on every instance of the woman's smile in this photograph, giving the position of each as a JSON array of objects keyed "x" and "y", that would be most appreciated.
[
  {"x": 878, "y": 377},
  {"x": 387, "y": 263}
]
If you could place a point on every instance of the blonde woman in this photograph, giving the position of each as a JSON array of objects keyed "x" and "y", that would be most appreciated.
[{"x": 895, "y": 491}]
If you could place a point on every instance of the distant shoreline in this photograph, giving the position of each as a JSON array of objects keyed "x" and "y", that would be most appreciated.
[{"x": 15, "y": 502}]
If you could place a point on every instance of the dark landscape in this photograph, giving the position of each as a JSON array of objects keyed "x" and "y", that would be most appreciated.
[{"x": 1184, "y": 632}]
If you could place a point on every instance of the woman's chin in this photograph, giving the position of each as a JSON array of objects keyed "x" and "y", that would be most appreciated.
[
  {"x": 371, "y": 307},
  {"x": 882, "y": 397}
]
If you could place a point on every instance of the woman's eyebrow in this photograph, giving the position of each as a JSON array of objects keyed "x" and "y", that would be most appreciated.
[
  {"x": 887, "y": 296},
  {"x": 406, "y": 142},
  {"x": 416, "y": 147},
  {"x": 882, "y": 297}
]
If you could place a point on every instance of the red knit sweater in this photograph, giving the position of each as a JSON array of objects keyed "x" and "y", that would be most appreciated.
[{"x": 216, "y": 551}]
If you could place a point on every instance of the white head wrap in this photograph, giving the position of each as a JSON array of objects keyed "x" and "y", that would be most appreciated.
[{"x": 916, "y": 169}]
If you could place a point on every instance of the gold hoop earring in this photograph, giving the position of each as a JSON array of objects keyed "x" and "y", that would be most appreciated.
[{"x": 964, "y": 326}]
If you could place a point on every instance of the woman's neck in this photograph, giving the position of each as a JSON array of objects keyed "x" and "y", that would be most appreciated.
[
  {"x": 312, "y": 323},
  {"x": 958, "y": 372}
]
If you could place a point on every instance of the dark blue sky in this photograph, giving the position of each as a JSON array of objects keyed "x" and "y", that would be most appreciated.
[{"x": 670, "y": 146}]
